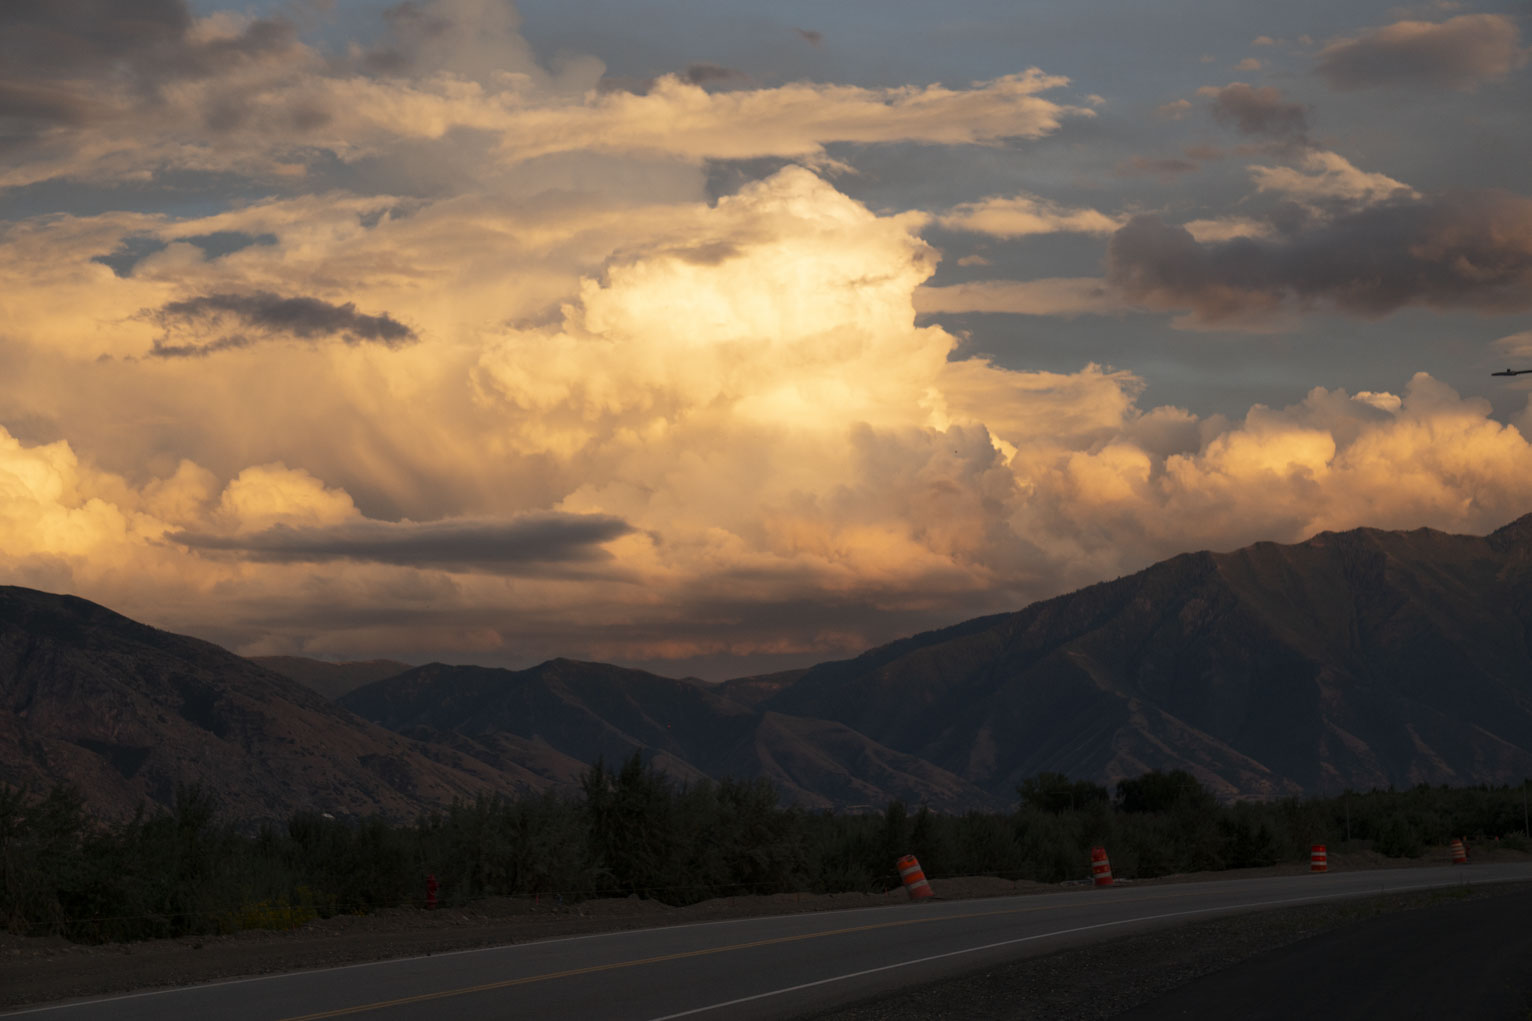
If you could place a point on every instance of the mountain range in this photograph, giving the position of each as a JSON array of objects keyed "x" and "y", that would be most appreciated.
[{"x": 1355, "y": 659}]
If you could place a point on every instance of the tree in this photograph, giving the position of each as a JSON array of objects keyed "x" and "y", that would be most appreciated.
[
  {"x": 1055, "y": 792},
  {"x": 1164, "y": 792}
]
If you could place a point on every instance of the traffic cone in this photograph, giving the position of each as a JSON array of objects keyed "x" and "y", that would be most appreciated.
[
  {"x": 913, "y": 877},
  {"x": 1319, "y": 859},
  {"x": 1100, "y": 867}
]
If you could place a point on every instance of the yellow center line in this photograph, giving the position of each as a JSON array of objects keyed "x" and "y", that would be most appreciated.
[{"x": 552, "y": 975}]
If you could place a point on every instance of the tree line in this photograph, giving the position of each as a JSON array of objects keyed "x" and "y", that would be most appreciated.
[{"x": 631, "y": 830}]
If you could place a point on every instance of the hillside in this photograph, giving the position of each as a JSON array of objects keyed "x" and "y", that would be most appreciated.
[
  {"x": 1357, "y": 659},
  {"x": 1364, "y": 658},
  {"x": 332, "y": 680},
  {"x": 559, "y": 715},
  {"x": 127, "y": 713}
]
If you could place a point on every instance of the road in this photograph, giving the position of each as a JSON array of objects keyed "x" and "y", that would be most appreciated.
[
  {"x": 747, "y": 968},
  {"x": 1465, "y": 959}
]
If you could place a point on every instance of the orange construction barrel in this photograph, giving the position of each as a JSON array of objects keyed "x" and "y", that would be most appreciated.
[
  {"x": 1459, "y": 852},
  {"x": 1100, "y": 867},
  {"x": 914, "y": 879},
  {"x": 1319, "y": 860}
]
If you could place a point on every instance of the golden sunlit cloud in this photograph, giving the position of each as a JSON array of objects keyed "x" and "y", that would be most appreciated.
[{"x": 487, "y": 367}]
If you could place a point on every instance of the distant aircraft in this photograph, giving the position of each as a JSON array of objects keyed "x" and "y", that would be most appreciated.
[{"x": 1510, "y": 372}]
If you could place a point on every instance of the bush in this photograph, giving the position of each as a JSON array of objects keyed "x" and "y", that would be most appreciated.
[{"x": 634, "y": 831}]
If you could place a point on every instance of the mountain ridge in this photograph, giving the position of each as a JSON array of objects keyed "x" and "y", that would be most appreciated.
[{"x": 1358, "y": 658}]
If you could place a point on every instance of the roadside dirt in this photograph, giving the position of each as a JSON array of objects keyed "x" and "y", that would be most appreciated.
[{"x": 45, "y": 969}]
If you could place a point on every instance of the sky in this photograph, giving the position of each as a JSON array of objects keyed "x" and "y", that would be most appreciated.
[{"x": 721, "y": 338}]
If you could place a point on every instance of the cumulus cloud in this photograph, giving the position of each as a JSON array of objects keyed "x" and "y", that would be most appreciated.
[
  {"x": 765, "y": 441},
  {"x": 550, "y": 394},
  {"x": 497, "y": 546},
  {"x": 1458, "y": 53},
  {"x": 265, "y": 315},
  {"x": 1021, "y": 215},
  {"x": 1471, "y": 250},
  {"x": 1262, "y": 111}
]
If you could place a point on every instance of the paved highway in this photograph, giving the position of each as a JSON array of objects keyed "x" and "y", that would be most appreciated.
[{"x": 747, "y": 968}]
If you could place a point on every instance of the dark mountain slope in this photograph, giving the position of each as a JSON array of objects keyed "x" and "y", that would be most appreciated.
[
  {"x": 127, "y": 712},
  {"x": 1361, "y": 658},
  {"x": 564, "y": 712},
  {"x": 332, "y": 680}
]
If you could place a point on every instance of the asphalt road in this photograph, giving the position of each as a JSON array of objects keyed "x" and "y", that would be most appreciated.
[
  {"x": 748, "y": 968},
  {"x": 1471, "y": 959}
]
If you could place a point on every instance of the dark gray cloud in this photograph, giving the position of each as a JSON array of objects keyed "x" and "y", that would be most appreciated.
[
  {"x": 712, "y": 74},
  {"x": 501, "y": 547},
  {"x": 809, "y": 35},
  {"x": 1457, "y": 54},
  {"x": 60, "y": 38},
  {"x": 64, "y": 63},
  {"x": 1470, "y": 251},
  {"x": 1262, "y": 111},
  {"x": 267, "y": 316},
  {"x": 229, "y": 342},
  {"x": 411, "y": 25},
  {"x": 134, "y": 41}
]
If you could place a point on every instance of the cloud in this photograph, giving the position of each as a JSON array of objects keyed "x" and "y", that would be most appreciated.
[
  {"x": 459, "y": 73},
  {"x": 1059, "y": 296},
  {"x": 1226, "y": 228},
  {"x": 1330, "y": 177},
  {"x": 1516, "y": 345},
  {"x": 49, "y": 49},
  {"x": 704, "y": 74},
  {"x": 1458, "y": 53},
  {"x": 809, "y": 35},
  {"x": 527, "y": 325},
  {"x": 1470, "y": 250},
  {"x": 496, "y": 546},
  {"x": 1260, "y": 111},
  {"x": 1174, "y": 110},
  {"x": 1249, "y": 64},
  {"x": 268, "y": 315},
  {"x": 700, "y": 74},
  {"x": 1023, "y": 215},
  {"x": 766, "y": 442}
]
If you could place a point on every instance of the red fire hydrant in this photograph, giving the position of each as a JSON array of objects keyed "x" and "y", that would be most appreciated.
[{"x": 431, "y": 887}]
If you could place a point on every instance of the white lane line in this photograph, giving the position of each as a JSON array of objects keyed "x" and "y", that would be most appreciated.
[{"x": 1045, "y": 935}]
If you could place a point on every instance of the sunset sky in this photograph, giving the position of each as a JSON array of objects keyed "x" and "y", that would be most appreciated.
[{"x": 717, "y": 338}]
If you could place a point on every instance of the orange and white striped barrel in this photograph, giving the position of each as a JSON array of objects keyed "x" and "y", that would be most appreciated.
[
  {"x": 1459, "y": 852},
  {"x": 914, "y": 879},
  {"x": 1100, "y": 867},
  {"x": 1319, "y": 859}
]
